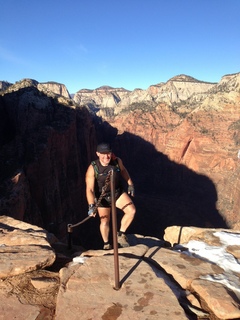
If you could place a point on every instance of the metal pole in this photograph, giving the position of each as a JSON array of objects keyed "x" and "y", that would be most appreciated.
[{"x": 114, "y": 227}]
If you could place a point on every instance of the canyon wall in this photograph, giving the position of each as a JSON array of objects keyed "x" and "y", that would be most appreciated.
[
  {"x": 179, "y": 140},
  {"x": 184, "y": 154},
  {"x": 46, "y": 145}
]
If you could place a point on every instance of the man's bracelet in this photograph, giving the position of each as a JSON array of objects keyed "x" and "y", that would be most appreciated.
[{"x": 90, "y": 206}]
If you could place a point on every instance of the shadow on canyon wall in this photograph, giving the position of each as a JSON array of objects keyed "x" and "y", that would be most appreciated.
[{"x": 166, "y": 193}]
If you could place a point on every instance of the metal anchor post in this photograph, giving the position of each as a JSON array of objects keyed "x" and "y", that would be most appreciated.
[
  {"x": 114, "y": 227},
  {"x": 69, "y": 230}
]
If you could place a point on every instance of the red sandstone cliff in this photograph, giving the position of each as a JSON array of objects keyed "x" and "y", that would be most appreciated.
[{"x": 201, "y": 133}]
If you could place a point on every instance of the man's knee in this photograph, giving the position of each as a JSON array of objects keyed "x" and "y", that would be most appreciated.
[
  {"x": 130, "y": 210},
  {"x": 104, "y": 220}
]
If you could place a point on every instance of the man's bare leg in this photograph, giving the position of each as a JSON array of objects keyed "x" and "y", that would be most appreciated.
[{"x": 104, "y": 215}]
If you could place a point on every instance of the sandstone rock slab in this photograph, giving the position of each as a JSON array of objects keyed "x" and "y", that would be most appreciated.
[
  {"x": 23, "y": 247},
  {"x": 181, "y": 234},
  {"x": 87, "y": 291},
  {"x": 217, "y": 298},
  {"x": 182, "y": 267},
  {"x": 12, "y": 308},
  {"x": 191, "y": 273}
]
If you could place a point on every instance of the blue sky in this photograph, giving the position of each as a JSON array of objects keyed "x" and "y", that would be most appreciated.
[{"x": 120, "y": 43}]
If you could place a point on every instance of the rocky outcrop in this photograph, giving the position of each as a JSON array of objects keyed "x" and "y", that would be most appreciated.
[
  {"x": 4, "y": 85},
  {"x": 49, "y": 88},
  {"x": 26, "y": 287},
  {"x": 57, "y": 88},
  {"x": 149, "y": 279},
  {"x": 46, "y": 145},
  {"x": 24, "y": 248},
  {"x": 178, "y": 88},
  {"x": 104, "y": 96},
  {"x": 107, "y": 101}
]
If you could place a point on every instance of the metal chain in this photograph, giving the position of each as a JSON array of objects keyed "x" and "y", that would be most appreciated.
[{"x": 104, "y": 188}]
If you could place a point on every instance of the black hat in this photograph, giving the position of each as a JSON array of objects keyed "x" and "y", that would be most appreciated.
[{"x": 104, "y": 148}]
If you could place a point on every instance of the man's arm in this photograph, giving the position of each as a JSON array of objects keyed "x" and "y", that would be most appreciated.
[{"x": 90, "y": 180}]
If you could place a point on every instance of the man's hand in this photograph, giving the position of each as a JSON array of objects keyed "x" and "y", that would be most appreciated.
[
  {"x": 131, "y": 190},
  {"x": 91, "y": 209}
]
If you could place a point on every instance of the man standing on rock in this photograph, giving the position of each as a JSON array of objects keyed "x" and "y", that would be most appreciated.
[{"x": 95, "y": 181}]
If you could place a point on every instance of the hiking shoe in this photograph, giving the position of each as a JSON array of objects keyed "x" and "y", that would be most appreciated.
[
  {"x": 107, "y": 247},
  {"x": 122, "y": 241}
]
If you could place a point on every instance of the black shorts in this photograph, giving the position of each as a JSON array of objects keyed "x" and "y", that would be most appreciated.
[{"x": 106, "y": 200}]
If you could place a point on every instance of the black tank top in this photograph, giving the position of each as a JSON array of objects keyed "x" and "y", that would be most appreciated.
[{"x": 102, "y": 175}]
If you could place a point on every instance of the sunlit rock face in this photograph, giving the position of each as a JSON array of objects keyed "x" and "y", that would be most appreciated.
[
  {"x": 173, "y": 91},
  {"x": 49, "y": 87},
  {"x": 57, "y": 88}
]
